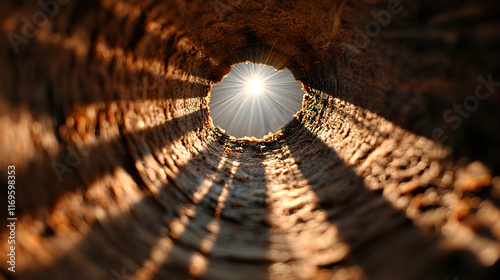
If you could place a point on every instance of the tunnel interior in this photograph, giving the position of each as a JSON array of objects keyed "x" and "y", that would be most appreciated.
[{"x": 120, "y": 171}]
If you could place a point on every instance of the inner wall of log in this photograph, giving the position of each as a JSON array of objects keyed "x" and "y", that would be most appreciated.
[{"x": 120, "y": 171}]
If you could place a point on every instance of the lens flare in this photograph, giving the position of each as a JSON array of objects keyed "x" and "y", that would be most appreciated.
[{"x": 255, "y": 99}]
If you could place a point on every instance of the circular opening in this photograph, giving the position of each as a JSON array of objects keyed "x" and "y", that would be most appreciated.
[{"x": 254, "y": 100}]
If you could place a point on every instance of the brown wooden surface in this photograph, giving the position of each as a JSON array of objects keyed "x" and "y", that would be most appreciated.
[{"x": 354, "y": 187}]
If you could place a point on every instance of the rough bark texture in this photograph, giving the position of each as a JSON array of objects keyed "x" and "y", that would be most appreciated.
[{"x": 114, "y": 94}]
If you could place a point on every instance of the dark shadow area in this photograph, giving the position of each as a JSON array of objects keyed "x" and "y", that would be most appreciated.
[
  {"x": 256, "y": 51},
  {"x": 383, "y": 241}
]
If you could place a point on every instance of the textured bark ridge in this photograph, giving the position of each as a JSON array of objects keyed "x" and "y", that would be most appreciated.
[{"x": 120, "y": 172}]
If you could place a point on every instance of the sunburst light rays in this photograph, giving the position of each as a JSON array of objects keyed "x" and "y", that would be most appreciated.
[{"x": 255, "y": 99}]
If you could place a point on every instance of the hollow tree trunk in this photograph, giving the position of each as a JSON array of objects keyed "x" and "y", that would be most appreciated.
[{"x": 389, "y": 171}]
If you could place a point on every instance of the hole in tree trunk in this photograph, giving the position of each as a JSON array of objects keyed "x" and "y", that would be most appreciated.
[{"x": 254, "y": 100}]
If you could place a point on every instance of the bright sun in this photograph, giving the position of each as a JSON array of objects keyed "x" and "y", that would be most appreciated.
[{"x": 255, "y": 86}]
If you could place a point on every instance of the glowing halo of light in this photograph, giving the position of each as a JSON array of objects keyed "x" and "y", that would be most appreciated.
[
  {"x": 255, "y": 86},
  {"x": 255, "y": 99}
]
